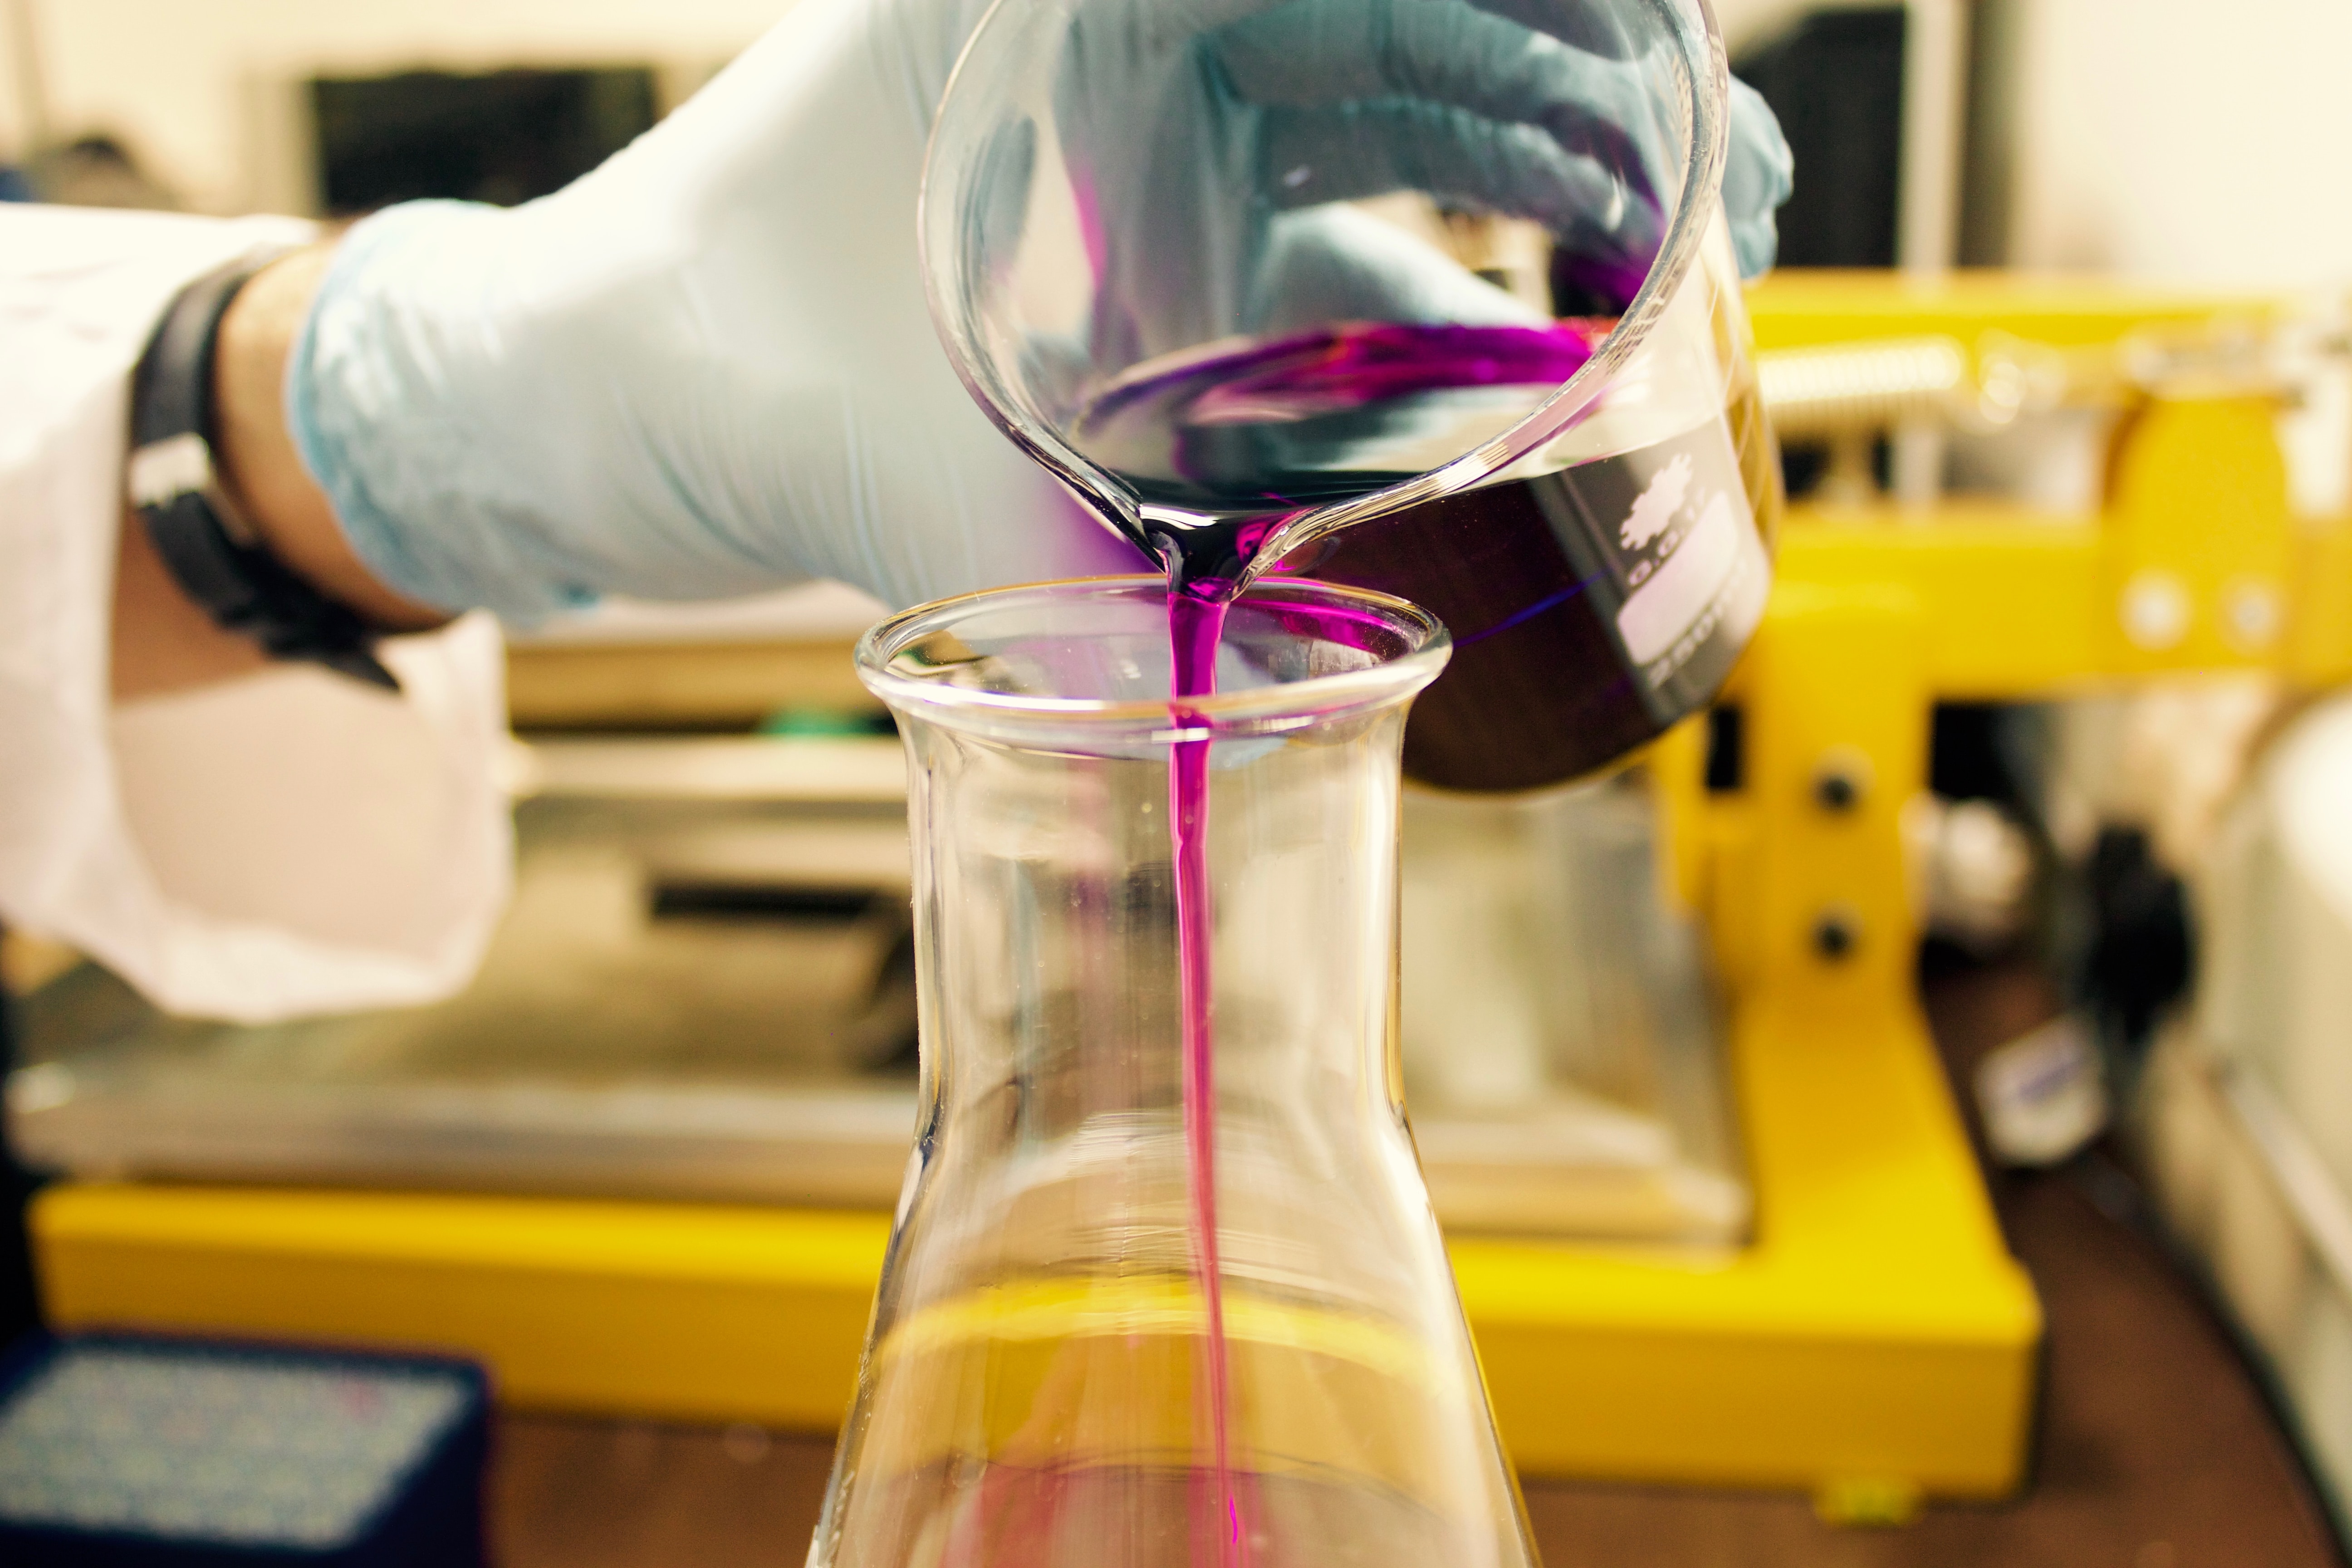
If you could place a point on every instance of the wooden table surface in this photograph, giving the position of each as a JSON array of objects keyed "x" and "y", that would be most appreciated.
[{"x": 2155, "y": 1448}]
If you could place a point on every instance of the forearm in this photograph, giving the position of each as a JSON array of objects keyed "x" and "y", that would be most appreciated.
[{"x": 162, "y": 641}]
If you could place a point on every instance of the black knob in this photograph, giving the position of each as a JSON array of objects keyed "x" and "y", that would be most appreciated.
[
  {"x": 1836, "y": 933},
  {"x": 1837, "y": 788}
]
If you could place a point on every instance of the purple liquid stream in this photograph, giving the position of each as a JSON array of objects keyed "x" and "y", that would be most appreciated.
[
  {"x": 1166, "y": 433},
  {"x": 1195, "y": 625},
  {"x": 1246, "y": 438}
]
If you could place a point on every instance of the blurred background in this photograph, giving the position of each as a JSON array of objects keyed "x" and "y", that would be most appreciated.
[
  {"x": 2058, "y": 350},
  {"x": 2158, "y": 139}
]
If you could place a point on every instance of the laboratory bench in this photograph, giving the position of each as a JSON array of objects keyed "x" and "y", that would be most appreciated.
[{"x": 2154, "y": 1448}]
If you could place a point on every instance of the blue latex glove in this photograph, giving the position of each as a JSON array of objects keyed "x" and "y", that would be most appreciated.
[
  {"x": 1758, "y": 175},
  {"x": 1215, "y": 142},
  {"x": 708, "y": 367}
]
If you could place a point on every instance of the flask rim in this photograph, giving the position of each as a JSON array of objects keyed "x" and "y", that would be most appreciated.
[{"x": 1417, "y": 647}]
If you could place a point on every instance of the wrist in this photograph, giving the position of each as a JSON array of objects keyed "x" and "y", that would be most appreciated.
[
  {"x": 255, "y": 451},
  {"x": 162, "y": 640},
  {"x": 459, "y": 385}
]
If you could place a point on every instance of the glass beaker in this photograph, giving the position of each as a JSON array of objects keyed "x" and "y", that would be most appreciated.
[
  {"x": 1049, "y": 1350},
  {"x": 1237, "y": 272}
]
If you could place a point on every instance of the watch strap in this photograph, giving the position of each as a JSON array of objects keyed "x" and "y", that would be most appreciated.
[{"x": 205, "y": 543}]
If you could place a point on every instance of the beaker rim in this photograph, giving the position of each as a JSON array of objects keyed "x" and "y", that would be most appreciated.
[{"x": 1414, "y": 648}]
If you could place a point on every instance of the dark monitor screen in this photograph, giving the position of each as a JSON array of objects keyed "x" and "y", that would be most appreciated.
[{"x": 499, "y": 136}]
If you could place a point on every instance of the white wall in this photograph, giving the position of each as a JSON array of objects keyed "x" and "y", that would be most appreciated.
[
  {"x": 175, "y": 77},
  {"x": 1745, "y": 22},
  {"x": 2161, "y": 138},
  {"x": 2186, "y": 140},
  {"x": 2183, "y": 140}
]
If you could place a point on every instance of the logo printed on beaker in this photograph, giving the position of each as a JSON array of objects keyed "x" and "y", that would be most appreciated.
[{"x": 1655, "y": 507}]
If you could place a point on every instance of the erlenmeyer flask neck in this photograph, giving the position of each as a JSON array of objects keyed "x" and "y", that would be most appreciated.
[{"x": 1037, "y": 1386}]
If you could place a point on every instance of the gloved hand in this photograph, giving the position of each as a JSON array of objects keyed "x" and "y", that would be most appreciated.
[
  {"x": 703, "y": 369},
  {"x": 708, "y": 367},
  {"x": 1759, "y": 173},
  {"x": 1188, "y": 181}
]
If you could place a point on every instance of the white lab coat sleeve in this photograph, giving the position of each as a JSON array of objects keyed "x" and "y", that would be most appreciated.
[{"x": 288, "y": 843}]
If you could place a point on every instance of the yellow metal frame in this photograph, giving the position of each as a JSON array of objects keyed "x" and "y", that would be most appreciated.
[{"x": 1876, "y": 1340}]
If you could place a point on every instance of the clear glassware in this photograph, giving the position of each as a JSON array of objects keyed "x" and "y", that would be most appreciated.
[
  {"x": 1434, "y": 297},
  {"x": 1042, "y": 1371}
]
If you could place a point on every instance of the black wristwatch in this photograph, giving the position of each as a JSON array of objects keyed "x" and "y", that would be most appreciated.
[{"x": 205, "y": 543}]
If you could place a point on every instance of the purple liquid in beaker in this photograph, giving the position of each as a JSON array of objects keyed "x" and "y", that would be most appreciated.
[{"x": 1583, "y": 627}]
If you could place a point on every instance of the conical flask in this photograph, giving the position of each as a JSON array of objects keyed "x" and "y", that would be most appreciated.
[{"x": 1110, "y": 1334}]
